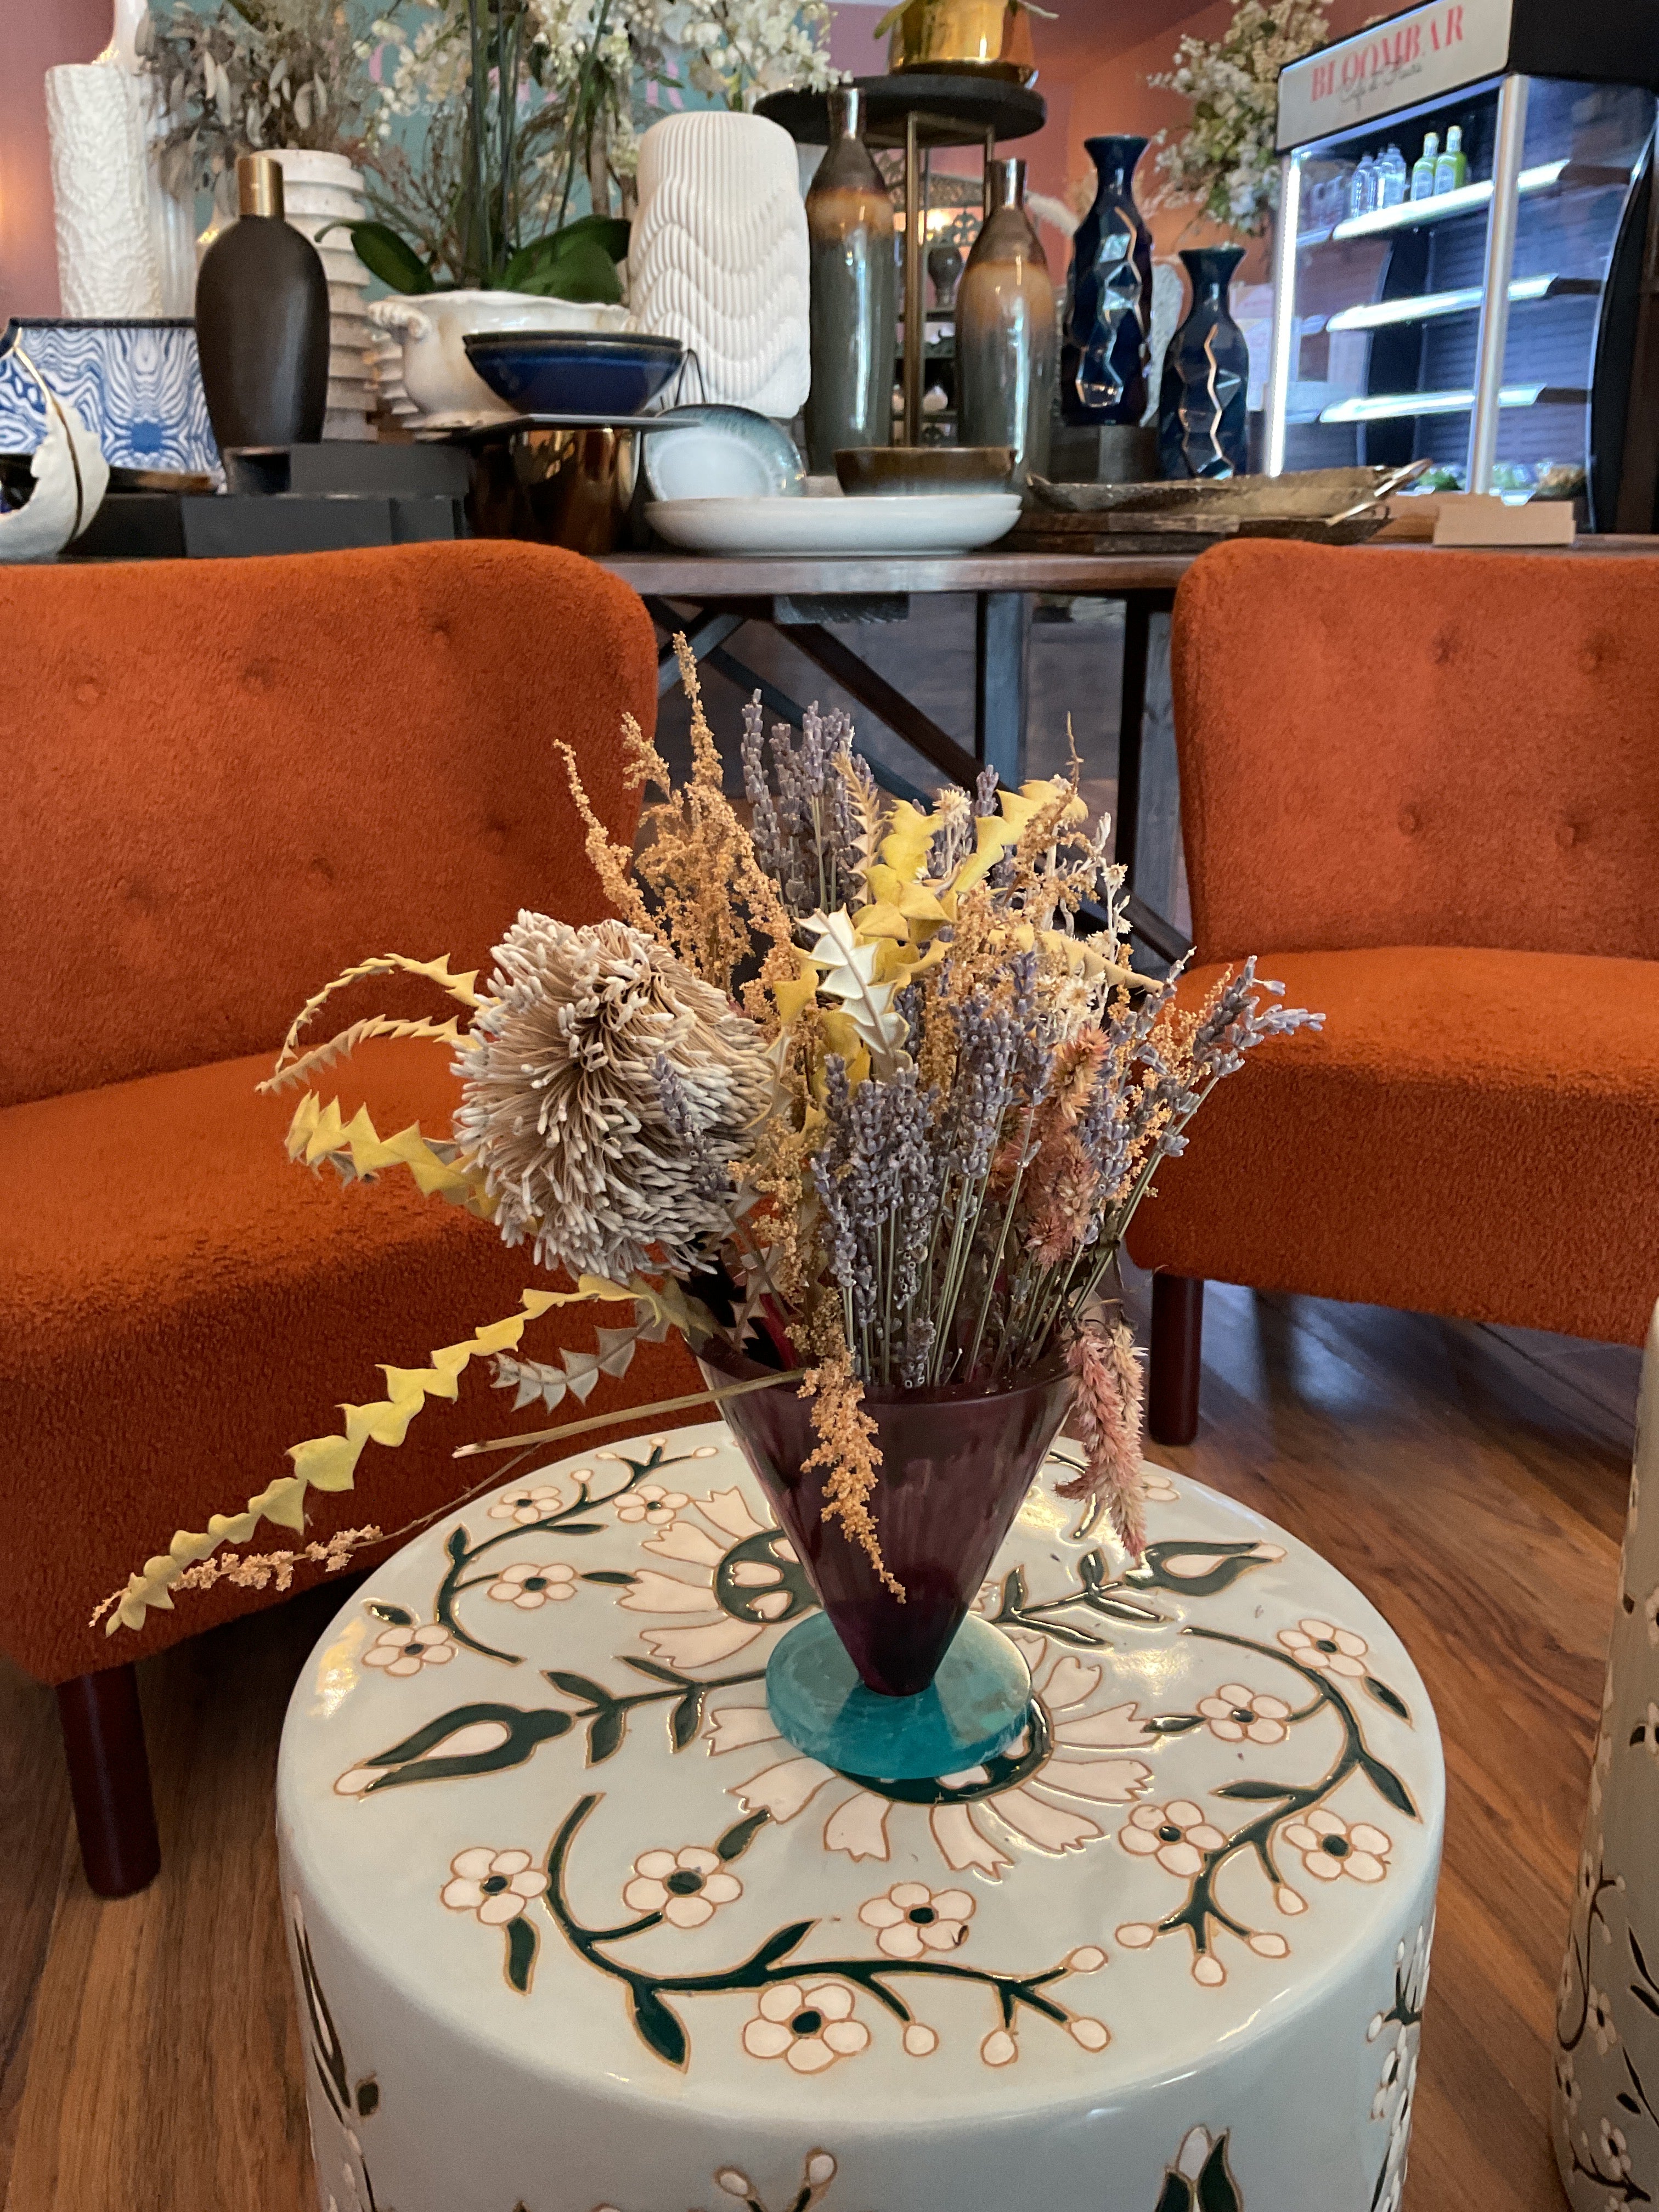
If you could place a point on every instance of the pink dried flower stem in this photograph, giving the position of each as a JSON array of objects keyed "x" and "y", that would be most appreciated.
[{"x": 1106, "y": 1412}]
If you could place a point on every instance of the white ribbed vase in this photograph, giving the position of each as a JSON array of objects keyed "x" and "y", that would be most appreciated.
[
  {"x": 719, "y": 256},
  {"x": 320, "y": 192}
]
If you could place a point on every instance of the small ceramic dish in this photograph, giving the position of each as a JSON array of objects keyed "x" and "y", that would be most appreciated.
[
  {"x": 924, "y": 471},
  {"x": 573, "y": 373},
  {"x": 721, "y": 452}
]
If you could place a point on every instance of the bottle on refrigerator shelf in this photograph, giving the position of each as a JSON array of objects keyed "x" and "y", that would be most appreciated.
[
  {"x": 1362, "y": 188},
  {"x": 1393, "y": 178},
  {"x": 1451, "y": 171},
  {"x": 1423, "y": 174}
]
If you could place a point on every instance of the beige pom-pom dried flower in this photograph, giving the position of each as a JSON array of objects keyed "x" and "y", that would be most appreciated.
[{"x": 606, "y": 1090}]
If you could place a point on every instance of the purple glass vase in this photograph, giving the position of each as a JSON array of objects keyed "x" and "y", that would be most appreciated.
[{"x": 956, "y": 1464}]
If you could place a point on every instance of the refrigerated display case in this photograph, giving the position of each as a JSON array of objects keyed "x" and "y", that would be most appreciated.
[{"x": 1484, "y": 318}]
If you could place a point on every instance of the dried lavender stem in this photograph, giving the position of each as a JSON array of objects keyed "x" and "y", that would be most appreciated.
[{"x": 1002, "y": 1244}]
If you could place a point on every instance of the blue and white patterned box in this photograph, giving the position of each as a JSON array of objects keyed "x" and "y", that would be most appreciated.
[{"x": 137, "y": 386}]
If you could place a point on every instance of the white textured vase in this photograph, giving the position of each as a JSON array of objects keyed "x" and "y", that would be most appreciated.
[
  {"x": 124, "y": 247},
  {"x": 106, "y": 259},
  {"x": 719, "y": 256}
]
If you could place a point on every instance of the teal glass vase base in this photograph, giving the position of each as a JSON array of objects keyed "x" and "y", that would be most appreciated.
[{"x": 974, "y": 1708}]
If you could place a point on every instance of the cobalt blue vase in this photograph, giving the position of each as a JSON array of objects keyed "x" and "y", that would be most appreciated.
[
  {"x": 1203, "y": 429},
  {"x": 1109, "y": 296}
]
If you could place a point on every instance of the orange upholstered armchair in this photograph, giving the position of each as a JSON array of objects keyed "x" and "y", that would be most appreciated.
[
  {"x": 1425, "y": 786},
  {"x": 224, "y": 782}
]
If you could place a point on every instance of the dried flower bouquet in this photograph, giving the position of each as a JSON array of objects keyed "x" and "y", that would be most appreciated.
[{"x": 842, "y": 1088}]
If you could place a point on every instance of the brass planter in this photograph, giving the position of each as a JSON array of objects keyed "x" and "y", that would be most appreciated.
[
  {"x": 978, "y": 38},
  {"x": 570, "y": 487}
]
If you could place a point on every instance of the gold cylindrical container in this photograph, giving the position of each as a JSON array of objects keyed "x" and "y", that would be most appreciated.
[{"x": 988, "y": 38}]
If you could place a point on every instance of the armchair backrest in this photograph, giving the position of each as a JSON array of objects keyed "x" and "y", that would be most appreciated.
[
  {"x": 1411, "y": 747},
  {"x": 221, "y": 783}
]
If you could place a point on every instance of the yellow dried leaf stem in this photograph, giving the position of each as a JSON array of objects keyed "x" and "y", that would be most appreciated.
[
  {"x": 330, "y": 1463},
  {"x": 459, "y": 988}
]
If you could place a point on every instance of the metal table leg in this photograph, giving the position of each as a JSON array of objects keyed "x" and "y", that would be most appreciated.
[
  {"x": 1131, "y": 716},
  {"x": 1002, "y": 642}
]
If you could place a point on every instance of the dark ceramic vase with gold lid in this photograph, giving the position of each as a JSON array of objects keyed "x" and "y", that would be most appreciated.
[
  {"x": 854, "y": 310},
  {"x": 262, "y": 321}
]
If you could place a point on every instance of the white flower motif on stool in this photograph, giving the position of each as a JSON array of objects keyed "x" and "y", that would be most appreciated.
[
  {"x": 530, "y": 1502},
  {"x": 651, "y": 1502},
  {"x": 686, "y": 1887},
  {"x": 1650, "y": 1615},
  {"x": 1157, "y": 1488},
  {"x": 1601, "y": 2021},
  {"x": 406, "y": 1651},
  {"x": 1176, "y": 1834},
  {"x": 1330, "y": 1847},
  {"x": 911, "y": 1918},
  {"x": 700, "y": 1631},
  {"x": 1235, "y": 1712},
  {"x": 1043, "y": 1806},
  {"x": 808, "y": 2027},
  {"x": 527, "y": 1585},
  {"x": 817, "y": 2174},
  {"x": 1615, "y": 2152},
  {"x": 1328, "y": 1651},
  {"x": 495, "y": 1885}
]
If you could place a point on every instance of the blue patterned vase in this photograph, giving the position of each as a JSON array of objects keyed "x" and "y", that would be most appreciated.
[
  {"x": 1203, "y": 429},
  {"x": 1109, "y": 296},
  {"x": 135, "y": 384}
]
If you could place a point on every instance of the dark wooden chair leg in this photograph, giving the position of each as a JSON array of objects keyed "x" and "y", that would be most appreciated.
[
  {"x": 109, "y": 1780},
  {"x": 1177, "y": 1356}
]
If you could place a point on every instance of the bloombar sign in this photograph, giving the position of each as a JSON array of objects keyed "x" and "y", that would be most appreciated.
[{"x": 1394, "y": 64}]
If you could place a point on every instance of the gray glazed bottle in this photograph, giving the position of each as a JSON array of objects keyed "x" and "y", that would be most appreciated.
[
  {"x": 1007, "y": 342},
  {"x": 849, "y": 224},
  {"x": 262, "y": 321}
]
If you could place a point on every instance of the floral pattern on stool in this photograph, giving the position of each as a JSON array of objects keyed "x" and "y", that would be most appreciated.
[
  {"x": 1606, "y": 2109},
  {"x": 568, "y": 1841}
]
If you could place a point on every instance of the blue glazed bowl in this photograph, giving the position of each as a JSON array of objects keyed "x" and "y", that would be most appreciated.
[{"x": 574, "y": 371}]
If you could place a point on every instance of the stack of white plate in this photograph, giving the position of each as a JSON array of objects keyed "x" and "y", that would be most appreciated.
[{"x": 320, "y": 192}]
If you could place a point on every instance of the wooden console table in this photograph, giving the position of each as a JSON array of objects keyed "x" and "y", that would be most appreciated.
[{"x": 711, "y": 598}]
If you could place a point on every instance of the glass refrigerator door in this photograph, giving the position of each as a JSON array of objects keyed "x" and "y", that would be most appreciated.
[{"x": 1384, "y": 315}]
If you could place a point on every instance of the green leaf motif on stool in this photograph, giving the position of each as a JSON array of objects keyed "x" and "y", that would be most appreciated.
[
  {"x": 1202, "y": 2180},
  {"x": 1296, "y": 1818}
]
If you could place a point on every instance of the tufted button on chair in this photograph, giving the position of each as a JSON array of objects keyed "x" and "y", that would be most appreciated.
[{"x": 1476, "y": 1130}]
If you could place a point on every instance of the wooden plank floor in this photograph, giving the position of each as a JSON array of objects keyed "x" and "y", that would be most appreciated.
[{"x": 1471, "y": 1481}]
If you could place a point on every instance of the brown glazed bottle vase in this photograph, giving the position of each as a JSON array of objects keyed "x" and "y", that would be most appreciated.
[
  {"x": 1007, "y": 342},
  {"x": 849, "y": 227},
  {"x": 956, "y": 1464}
]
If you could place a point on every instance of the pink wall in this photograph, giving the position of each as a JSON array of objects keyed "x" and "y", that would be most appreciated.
[
  {"x": 1093, "y": 64},
  {"x": 34, "y": 36},
  {"x": 1113, "y": 95}
]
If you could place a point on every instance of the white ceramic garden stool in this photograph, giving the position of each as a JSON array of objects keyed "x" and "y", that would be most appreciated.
[
  {"x": 1606, "y": 2027},
  {"x": 573, "y": 1929}
]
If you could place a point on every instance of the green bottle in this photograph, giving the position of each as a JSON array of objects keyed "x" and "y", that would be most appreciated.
[
  {"x": 1423, "y": 172},
  {"x": 1451, "y": 171}
]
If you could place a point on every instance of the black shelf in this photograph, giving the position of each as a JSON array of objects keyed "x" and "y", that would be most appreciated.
[{"x": 955, "y": 109}]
